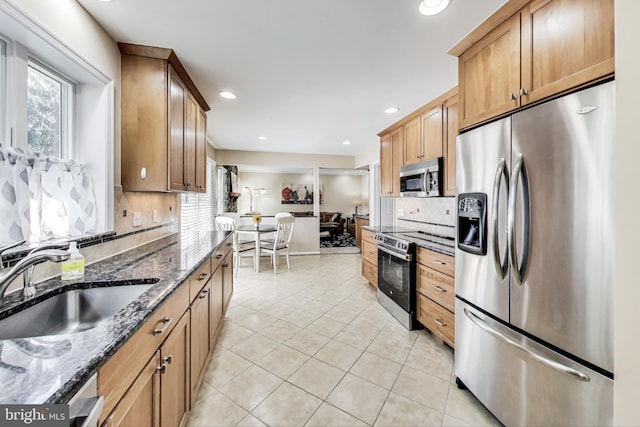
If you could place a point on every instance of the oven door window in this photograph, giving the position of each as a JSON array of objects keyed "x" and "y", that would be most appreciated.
[
  {"x": 412, "y": 183},
  {"x": 394, "y": 279}
]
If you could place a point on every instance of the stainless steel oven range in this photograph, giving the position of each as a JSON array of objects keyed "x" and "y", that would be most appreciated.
[{"x": 397, "y": 278}]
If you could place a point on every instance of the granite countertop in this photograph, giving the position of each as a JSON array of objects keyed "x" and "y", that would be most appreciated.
[{"x": 51, "y": 369}]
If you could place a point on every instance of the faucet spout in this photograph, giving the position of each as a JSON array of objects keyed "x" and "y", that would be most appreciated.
[{"x": 53, "y": 255}]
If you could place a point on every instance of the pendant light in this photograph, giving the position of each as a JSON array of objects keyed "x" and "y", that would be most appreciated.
[{"x": 433, "y": 7}]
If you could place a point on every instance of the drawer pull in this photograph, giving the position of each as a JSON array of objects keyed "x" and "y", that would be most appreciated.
[
  {"x": 168, "y": 359},
  {"x": 219, "y": 256},
  {"x": 437, "y": 261},
  {"x": 167, "y": 321},
  {"x": 439, "y": 322},
  {"x": 439, "y": 289},
  {"x": 204, "y": 294},
  {"x": 202, "y": 277}
]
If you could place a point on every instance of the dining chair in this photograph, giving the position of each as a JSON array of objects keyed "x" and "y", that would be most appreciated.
[
  {"x": 240, "y": 249},
  {"x": 282, "y": 214},
  {"x": 280, "y": 244}
]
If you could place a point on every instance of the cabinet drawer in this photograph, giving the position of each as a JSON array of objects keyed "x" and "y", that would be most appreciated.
[
  {"x": 370, "y": 252},
  {"x": 370, "y": 272},
  {"x": 437, "y": 286},
  {"x": 198, "y": 279},
  {"x": 115, "y": 376},
  {"x": 220, "y": 253},
  {"x": 436, "y": 319},
  {"x": 439, "y": 262},
  {"x": 369, "y": 236}
]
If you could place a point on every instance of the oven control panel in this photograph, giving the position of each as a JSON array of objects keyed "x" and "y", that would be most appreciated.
[{"x": 392, "y": 243}]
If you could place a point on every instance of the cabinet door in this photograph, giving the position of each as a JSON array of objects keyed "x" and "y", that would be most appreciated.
[
  {"x": 413, "y": 149},
  {"x": 565, "y": 43},
  {"x": 217, "y": 304},
  {"x": 432, "y": 133},
  {"x": 201, "y": 151},
  {"x": 227, "y": 281},
  {"x": 140, "y": 405},
  {"x": 174, "y": 378},
  {"x": 489, "y": 74},
  {"x": 200, "y": 336},
  {"x": 177, "y": 102},
  {"x": 386, "y": 164},
  {"x": 397, "y": 158},
  {"x": 190, "y": 125},
  {"x": 449, "y": 146}
]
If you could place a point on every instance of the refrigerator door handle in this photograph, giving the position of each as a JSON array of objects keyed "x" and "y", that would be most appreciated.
[
  {"x": 501, "y": 172},
  {"x": 519, "y": 269},
  {"x": 532, "y": 354}
]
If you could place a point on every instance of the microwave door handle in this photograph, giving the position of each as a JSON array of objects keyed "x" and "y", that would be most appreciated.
[
  {"x": 519, "y": 269},
  {"x": 500, "y": 265}
]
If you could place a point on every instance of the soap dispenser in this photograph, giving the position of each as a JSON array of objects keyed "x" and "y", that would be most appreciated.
[{"x": 73, "y": 268}]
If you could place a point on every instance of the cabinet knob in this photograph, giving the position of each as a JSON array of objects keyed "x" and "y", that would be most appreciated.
[
  {"x": 513, "y": 97},
  {"x": 162, "y": 368},
  {"x": 523, "y": 92},
  {"x": 168, "y": 359}
]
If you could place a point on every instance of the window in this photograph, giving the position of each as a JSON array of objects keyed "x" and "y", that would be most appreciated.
[
  {"x": 197, "y": 210},
  {"x": 49, "y": 111}
]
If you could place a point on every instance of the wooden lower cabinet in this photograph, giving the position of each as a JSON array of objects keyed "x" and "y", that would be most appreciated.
[
  {"x": 437, "y": 319},
  {"x": 152, "y": 380},
  {"x": 227, "y": 281},
  {"x": 217, "y": 305},
  {"x": 435, "y": 290},
  {"x": 200, "y": 337},
  {"x": 369, "y": 257},
  {"x": 174, "y": 376},
  {"x": 140, "y": 406}
]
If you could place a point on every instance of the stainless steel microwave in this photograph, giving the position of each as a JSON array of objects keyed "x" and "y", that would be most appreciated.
[{"x": 421, "y": 179}]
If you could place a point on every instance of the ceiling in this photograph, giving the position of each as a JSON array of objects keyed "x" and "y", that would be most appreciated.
[{"x": 308, "y": 74}]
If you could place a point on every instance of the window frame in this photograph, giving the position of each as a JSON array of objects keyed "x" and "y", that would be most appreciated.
[{"x": 67, "y": 106}]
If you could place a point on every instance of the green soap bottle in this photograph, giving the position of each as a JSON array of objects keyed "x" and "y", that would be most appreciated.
[{"x": 73, "y": 268}]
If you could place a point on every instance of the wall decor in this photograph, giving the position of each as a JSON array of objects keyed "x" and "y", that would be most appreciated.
[{"x": 297, "y": 194}]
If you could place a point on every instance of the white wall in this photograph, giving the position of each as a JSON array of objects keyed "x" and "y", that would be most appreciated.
[
  {"x": 270, "y": 203},
  {"x": 627, "y": 284},
  {"x": 282, "y": 160}
]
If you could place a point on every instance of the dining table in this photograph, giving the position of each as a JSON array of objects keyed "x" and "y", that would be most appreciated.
[{"x": 256, "y": 231}]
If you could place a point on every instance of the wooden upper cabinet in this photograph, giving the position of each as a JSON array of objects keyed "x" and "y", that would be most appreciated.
[
  {"x": 489, "y": 74},
  {"x": 565, "y": 43},
  {"x": 413, "y": 149},
  {"x": 391, "y": 158},
  {"x": 528, "y": 51},
  {"x": 201, "y": 151},
  {"x": 177, "y": 99},
  {"x": 163, "y": 131},
  {"x": 385, "y": 165},
  {"x": 450, "y": 112},
  {"x": 432, "y": 133}
]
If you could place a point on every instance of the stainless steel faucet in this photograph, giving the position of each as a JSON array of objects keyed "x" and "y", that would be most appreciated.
[{"x": 44, "y": 253}]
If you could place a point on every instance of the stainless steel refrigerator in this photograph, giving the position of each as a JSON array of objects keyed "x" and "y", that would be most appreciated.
[{"x": 534, "y": 262}]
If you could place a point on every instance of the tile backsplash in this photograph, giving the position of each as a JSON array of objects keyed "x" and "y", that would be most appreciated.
[{"x": 433, "y": 215}]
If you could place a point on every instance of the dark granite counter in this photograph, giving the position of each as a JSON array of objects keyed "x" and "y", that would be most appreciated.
[{"x": 51, "y": 369}]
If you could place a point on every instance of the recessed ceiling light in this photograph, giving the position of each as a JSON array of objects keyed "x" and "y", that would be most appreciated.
[
  {"x": 433, "y": 7},
  {"x": 228, "y": 95},
  {"x": 346, "y": 142},
  {"x": 262, "y": 138},
  {"x": 392, "y": 110}
]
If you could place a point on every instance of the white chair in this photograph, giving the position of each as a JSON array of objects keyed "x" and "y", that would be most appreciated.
[
  {"x": 282, "y": 214},
  {"x": 280, "y": 244},
  {"x": 240, "y": 249}
]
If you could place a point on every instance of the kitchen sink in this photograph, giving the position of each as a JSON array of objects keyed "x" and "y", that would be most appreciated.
[{"x": 72, "y": 311}]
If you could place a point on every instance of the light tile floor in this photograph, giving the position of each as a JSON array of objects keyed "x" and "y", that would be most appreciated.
[{"x": 312, "y": 347}]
